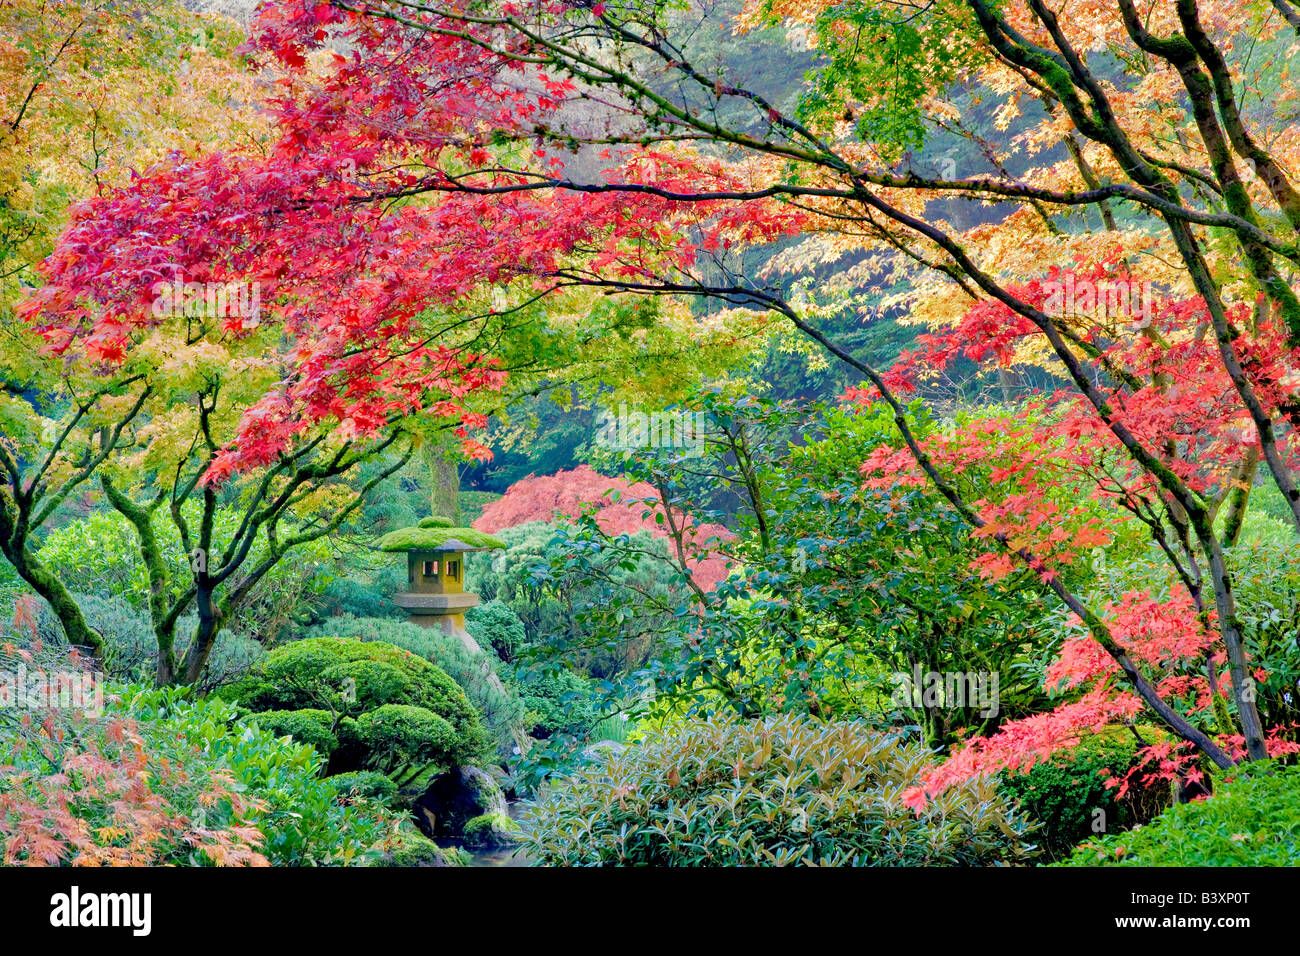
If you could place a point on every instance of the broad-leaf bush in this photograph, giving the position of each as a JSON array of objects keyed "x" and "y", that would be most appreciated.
[
  {"x": 778, "y": 791},
  {"x": 303, "y": 821},
  {"x": 363, "y": 783}
]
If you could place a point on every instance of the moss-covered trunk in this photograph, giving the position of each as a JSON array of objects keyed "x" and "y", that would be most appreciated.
[
  {"x": 13, "y": 545},
  {"x": 444, "y": 472},
  {"x": 45, "y": 583},
  {"x": 205, "y": 636}
]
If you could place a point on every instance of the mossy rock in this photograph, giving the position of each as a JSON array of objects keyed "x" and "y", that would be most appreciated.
[
  {"x": 437, "y": 521},
  {"x": 491, "y": 829},
  {"x": 431, "y": 539},
  {"x": 414, "y": 849},
  {"x": 458, "y": 796}
]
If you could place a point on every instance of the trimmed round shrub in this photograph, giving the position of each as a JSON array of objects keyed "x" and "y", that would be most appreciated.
[
  {"x": 497, "y": 703},
  {"x": 779, "y": 791},
  {"x": 409, "y": 744},
  {"x": 1252, "y": 819},
  {"x": 351, "y": 677},
  {"x": 397, "y": 714},
  {"x": 314, "y": 727},
  {"x": 371, "y": 684}
]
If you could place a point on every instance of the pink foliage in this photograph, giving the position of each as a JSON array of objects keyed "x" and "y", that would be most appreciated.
[
  {"x": 567, "y": 494},
  {"x": 1019, "y": 744}
]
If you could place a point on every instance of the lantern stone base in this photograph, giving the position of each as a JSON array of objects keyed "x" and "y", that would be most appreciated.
[{"x": 445, "y": 612}]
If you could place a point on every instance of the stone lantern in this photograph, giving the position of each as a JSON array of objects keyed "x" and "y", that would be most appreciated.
[{"x": 435, "y": 571}]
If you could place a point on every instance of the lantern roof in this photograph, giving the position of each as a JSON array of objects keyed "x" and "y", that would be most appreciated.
[{"x": 437, "y": 534}]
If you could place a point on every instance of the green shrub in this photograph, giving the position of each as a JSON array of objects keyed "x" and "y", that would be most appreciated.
[
  {"x": 784, "y": 790},
  {"x": 99, "y": 554},
  {"x": 299, "y": 815},
  {"x": 559, "y": 702},
  {"x": 554, "y": 607},
  {"x": 494, "y": 625},
  {"x": 364, "y": 784},
  {"x": 396, "y": 713},
  {"x": 1065, "y": 794},
  {"x": 12, "y": 587},
  {"x": 350, "y": 596},
  {"x": 131, "y": 648},
  {"x": 613, "y": 728},
  {"x": 1266, "y": 581},
  {"x": 411, "y": 745},
  {"x": 499, "y": 705},
  {"x": 372, "y": 683},
  {"x": 350, "y": 677},
  {"x": 313, "y": 727},
  {"x": 1252, "y": 819}
]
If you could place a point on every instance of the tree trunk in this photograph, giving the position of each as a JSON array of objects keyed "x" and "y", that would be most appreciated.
[
  {"x": 47, "y": 585},
  {"x": 1243, "y": 477},
  {"x": 165, "y": 674},
  {"x": 13, "y": 545},
  {"x": 444, "y": 471},
  {"x": 205, "y": 635},
  {"x": 1243, "y": 684}
]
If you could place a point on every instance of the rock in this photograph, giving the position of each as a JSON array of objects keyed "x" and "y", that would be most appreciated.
[
  {"x": 414, "y": 849},
  {"x": 458, "y": 796},
  {"x": 491, "y": 829}
]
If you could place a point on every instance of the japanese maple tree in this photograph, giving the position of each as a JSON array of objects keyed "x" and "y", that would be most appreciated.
[
  {"x": 421, "y": 168},
  {"x": 1128, "y": 141}
]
